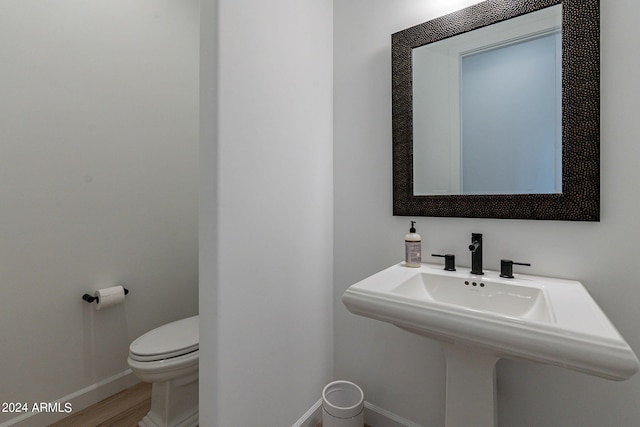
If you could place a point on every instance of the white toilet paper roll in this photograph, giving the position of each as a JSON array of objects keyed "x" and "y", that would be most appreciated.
[{"x": 108, "y": 297}]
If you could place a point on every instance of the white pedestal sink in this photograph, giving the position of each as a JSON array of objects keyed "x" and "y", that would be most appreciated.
[{"x": 481, "y": 319}]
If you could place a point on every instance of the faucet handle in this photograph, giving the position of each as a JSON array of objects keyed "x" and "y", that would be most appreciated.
[
  {"x": 449, "y": 261},
  {"x": 506, "y": 267}
]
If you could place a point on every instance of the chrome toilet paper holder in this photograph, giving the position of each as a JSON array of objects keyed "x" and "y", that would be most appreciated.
[{"x": 91, "y": 298}]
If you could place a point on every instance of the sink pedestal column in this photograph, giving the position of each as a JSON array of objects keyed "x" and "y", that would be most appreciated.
[{"x": 471, "y": 387}]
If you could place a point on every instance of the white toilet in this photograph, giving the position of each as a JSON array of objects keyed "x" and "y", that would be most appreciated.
[{"x": 167, "y": 357}]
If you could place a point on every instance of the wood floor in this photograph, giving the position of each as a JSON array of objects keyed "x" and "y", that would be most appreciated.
[{"x": 123, "y": 409}]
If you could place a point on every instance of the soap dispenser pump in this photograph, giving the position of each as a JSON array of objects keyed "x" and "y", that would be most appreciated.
[{"x": 412, "y": 247}]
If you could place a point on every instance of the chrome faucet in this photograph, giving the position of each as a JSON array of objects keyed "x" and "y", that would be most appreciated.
[{"x": 476, "y": 253}]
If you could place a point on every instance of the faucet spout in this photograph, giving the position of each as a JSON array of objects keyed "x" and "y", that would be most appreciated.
[{"x": 476, "y": 253}]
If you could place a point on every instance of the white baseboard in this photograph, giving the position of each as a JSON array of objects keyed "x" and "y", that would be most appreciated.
[
  {"x": 311, "y": 418},
  {"x": 373, "y": 416},
  {"x": 75, "y": 401},
  {"x": 380, "y": 417}
]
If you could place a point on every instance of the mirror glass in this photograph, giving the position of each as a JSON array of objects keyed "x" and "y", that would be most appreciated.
[
  {"x": 487, "y": 109},
  {"x": 496, "y": 112}
]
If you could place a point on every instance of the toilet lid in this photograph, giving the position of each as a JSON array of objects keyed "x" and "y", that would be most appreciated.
[{"x": 171, "y": 340}]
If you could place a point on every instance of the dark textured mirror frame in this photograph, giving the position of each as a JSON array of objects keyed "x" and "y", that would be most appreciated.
[{"x": 580, "y": 198}]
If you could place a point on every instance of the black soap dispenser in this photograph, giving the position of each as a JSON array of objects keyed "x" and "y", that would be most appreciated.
[{"x": 412, "y": 247}]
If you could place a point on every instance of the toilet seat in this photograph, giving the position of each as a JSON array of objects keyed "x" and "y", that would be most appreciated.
[{"x": 168, "y": 341}]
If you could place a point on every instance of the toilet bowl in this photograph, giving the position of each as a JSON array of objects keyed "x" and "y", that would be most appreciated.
[{"x": 167, "y": 357}]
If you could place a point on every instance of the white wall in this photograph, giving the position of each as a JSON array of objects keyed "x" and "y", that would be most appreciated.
[
  {"x": 98, "y": 184},
  {"x": 404, "y": 373},
  {"x": 266, "y": 260}
]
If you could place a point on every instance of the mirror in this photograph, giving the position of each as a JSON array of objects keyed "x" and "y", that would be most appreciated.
[
  {"x": 442, "y": 165},
  {"x": 487, "y": 108}
]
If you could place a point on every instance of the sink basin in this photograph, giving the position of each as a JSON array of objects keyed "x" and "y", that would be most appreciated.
[
  {"x": 482, "y": 295},
  {"x": 535, "y": 318},
  {"x": 482, "y": 318}
]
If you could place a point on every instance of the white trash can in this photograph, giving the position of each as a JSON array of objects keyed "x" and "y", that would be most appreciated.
[{"x": 342, "y": 405}]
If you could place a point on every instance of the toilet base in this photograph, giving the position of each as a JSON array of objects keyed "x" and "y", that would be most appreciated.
[
  {"x": 189, "y": 422},
  {"x": 174, "y": 403}
]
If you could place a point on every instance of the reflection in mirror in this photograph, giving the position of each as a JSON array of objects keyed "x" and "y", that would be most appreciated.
[
  {"x": 487, "y": 108},
  {"x": 564, "y": 184}
]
